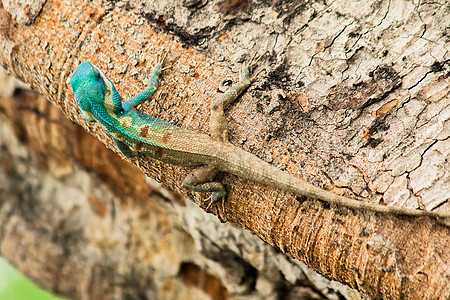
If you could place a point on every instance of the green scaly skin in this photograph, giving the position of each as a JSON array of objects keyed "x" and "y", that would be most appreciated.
[{"x": 134, "y": 131}]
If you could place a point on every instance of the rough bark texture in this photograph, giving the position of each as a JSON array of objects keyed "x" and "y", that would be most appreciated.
[
  {"x": 356, "y": 100},
  {"x": 79, "y": 220}
]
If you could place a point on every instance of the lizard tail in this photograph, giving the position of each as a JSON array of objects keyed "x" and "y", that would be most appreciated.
[{"x": 246, "y": 165}]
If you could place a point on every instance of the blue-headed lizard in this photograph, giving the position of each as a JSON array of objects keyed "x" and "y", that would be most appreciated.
[{"x": 134, "y": 131}]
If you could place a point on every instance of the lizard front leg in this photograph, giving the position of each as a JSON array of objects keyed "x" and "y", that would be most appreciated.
[
  {"x": 126, "y": 106},
  {"x": 152, "y": 85}
]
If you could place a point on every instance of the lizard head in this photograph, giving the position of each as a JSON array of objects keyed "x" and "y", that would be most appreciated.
[{"x": 89, "y": 88}]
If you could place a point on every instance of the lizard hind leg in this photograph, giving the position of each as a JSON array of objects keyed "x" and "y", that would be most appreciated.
[
  {"x": 199, "y": 180},
  {"x": 218, "y": 123}
]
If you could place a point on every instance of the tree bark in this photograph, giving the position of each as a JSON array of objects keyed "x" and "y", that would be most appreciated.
[{"x": 355, "y": 100}]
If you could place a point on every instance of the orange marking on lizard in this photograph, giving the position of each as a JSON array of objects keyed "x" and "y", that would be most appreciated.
[
  {"x": 144, "y": 131},
  {"x": 167, "y": 136}
]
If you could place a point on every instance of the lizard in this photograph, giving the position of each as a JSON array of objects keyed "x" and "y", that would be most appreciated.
[{"x": 135, "y": 132}]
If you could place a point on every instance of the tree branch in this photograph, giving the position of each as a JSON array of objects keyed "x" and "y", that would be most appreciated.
[{"x": 315, "y": 110}]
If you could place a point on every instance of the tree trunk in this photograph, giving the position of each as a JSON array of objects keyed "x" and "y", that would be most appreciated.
[{"x": 355, "y": 100}]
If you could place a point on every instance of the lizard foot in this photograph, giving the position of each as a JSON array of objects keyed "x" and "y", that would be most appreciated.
[
  {"x": 161, "y": 58},
  {"x": 247, "y": 68},
  {"x": 215, "y": 197}
]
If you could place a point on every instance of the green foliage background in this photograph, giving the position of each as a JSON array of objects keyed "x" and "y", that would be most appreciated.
[{"x": 15, "y": 286}]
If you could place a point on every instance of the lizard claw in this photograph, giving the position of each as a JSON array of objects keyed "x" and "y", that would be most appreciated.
[
  {"x": 254, "y": 60},
  {"x": 211, "y": 202},
  {"x": 245, "y": 73},
  {"x": 212, "y": 199},
  {"x": 253, "y": 78},
  {"x": 215, "y": 197},
  {"x": 161, "y": 58}
]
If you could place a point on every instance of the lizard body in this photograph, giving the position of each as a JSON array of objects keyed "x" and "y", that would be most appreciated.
[{"x": 134, "y": 131}]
